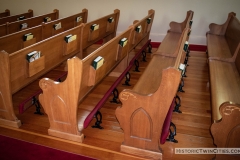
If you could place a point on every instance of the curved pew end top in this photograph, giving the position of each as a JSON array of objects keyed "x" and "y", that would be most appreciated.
[
  {"x": 179, "y": 27},
  {"x": 220, "y": 29},
  {"x": 226, "y": 131}
]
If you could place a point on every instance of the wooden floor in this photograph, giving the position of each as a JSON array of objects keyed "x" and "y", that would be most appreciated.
[{"x": 192, "y": 125}]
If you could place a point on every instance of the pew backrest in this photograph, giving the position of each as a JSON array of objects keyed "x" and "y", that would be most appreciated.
[
  {"x": 65, "y": 23},
  {"x": 142, "y": 29},
  {"x": 5, "y": 13},
  {"x": 105, "y": 26},
  {"x": 15, "y": 41},
  {"x": 27, "y": 23},
  {"x": 53, "y": 50},
  {"x": 18, "y": 17},
  {"x": 179, "y": 27}
]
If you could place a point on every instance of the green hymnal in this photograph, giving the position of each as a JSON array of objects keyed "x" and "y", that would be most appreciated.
[
  {"x": 139, "y": 29},
  {"x": 190, "y": 23},
  {"x": 186, "y": 46},
  {"x": 94, "y": 27},
  {"x": 98, "y": 62},
  {"x": 111, "y": 19},
  {"x": 149, "y": 20},
  {"x": 27, "y": 37},
  {"x": 123, "y": 42}
]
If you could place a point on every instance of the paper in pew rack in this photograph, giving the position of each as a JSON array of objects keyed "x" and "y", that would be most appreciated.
[
  {"x": 70, "y": 38},
  {"x": 47, "y": 19},
  {"x": 33, "y": 56},
  {"x": 27, "y": 36}
]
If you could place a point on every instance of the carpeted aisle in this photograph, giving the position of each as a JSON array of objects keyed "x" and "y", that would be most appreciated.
[{"x": 14, "y": 149}]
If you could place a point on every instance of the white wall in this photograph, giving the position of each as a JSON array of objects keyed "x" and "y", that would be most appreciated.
[{"x": 205, "y": 12}]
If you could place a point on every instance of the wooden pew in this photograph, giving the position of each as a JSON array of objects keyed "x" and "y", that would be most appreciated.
[
  {"x": 15, "y": 41},
  {"x": 139, "y": 38},
  {"x": 14, "y": 18},
  {"x": 17, "y": 72},
  {"x": 12, "y": 27},
  {"x": 61, "y": 100},
  {"x": 19, "y": 77},
  {"x": 145, "y": 107},
  {"x": 33, "y": 97},
  {"x": 172, "y": 39},
  {"x": 223, "y": 42},
  {"x": 5, "y": 13}
]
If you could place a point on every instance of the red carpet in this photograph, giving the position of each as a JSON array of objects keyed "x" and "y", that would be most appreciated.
[{"x": 14, "y": 149}]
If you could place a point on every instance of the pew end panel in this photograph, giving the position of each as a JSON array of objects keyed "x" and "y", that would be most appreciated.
[
  {"x": 63, "y": 122},
  {"x": 226, "y": 131},
  {"x": 5, "y": 13},
  {"x": 101, "y": 29},
  {"x": 142, "y": 116},
  {"x": 220, "y": 29},
  {"x": 4, "y": 29},
  {"x": 179, "y": 27},
  {"x": 7, "y": 115},
  {"x": 225, "y": 46}
]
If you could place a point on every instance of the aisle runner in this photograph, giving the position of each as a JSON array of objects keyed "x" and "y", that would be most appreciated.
[{"x": 14, "y": 149}]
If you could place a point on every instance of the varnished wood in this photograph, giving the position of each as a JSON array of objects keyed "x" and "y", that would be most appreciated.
[
  {"x": 5, "y": 13},
  {"x": 68, "y": 121},
  {"x": 224, "y": 45},
  {"x": 12, "y": 27},
  {"x": 226, "y": 131},
  {"x": 172, "y": 40},
  {"x": 13, "y": 18}
]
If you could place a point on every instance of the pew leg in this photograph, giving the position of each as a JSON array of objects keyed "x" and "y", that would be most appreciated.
[
  {"x": 37, "y": 105},
  {"x": 177, "y": 104},
  {"x": 136, "y": 65},
  {"x": 115, "y": 96},
  {"x": 172, "y": 133},
  {"x": 181, "y": 85},
  {"x": 144, "y": 56},
  {"x": 98, "y": 120},
  {"x": 127, "y": 76},
  {"x": 188, "y": 52},
  {"x": 149, "y": 48},
  {"x": 184, "y": 72}
]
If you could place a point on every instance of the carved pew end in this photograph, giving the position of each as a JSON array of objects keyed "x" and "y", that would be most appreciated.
[{"x": 15, "y": 124}]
